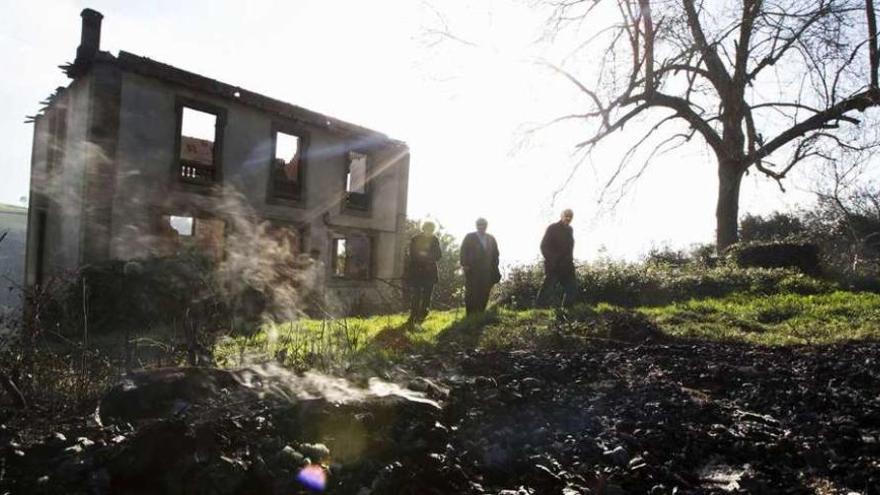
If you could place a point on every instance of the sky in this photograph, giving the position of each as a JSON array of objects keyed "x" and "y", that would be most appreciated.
[{"x": 463, "y": 104}]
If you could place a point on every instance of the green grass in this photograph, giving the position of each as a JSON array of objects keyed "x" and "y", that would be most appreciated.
[
  {"x": 780, "y": 319},
  {"x": 783, "y": 319},
  {"x": 347, "y": 341}
]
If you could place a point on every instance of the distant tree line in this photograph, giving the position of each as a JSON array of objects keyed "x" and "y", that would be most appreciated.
[{"x": 846, "y": 230}]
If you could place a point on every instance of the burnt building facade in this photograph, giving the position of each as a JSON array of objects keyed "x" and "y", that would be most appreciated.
[{"x": 136, "y": 158}]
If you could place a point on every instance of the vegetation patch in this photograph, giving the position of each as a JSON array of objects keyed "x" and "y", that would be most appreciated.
[
  {"x": 775, "y": 319},
  {"x": 659, "y": 283},
  {"x": 780, "y": 319}
]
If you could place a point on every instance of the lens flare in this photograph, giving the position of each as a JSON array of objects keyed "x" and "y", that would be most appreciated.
[{"x": 313, "y": 477}]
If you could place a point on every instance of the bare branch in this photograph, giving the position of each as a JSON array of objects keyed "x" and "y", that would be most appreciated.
[
  {"x": 872, "y": 41},
  {"x": 602, "y": 111},
  {"x": 720, "y": 77},
  {"x": 820, "y": 120},
  {"x": 684, "y": 110},
  {"x": 775, "y": 56},
  {"x": 645, "y": 7},
  {"x": 843, "y": 67},
  {"x": 609, "y": 129},
  {"x": 743, "y": 49},
  {"x": 684, "y": 68},
  {"x": 633, "y": 149}
]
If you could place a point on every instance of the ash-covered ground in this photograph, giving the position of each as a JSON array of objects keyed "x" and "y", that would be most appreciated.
[{"x": 608, "y": 417}]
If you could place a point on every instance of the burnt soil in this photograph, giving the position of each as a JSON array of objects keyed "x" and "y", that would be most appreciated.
[{"x": 609, "y": 417}]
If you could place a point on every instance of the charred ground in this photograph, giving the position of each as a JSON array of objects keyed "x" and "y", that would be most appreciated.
[{"x": 594, "y": 402}]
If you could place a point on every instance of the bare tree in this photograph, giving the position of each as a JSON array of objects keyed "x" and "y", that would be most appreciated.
[
  {"x": 765, "y": 84},
  {"x": 847, "y": 214}
]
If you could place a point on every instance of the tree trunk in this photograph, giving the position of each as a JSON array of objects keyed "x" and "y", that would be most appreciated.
[{"x": 727, "y": 211}]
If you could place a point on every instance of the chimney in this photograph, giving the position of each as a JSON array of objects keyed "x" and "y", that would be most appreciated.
[{"x": 90, "y": 42}]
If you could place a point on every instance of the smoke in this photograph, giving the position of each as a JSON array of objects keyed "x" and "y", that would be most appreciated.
[
  {"x": 281, "y": 382},
  {"x": 263, "y": 258}
]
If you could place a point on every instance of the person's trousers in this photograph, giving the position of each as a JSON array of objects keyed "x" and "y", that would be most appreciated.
[
  {"x": 421, "y": 300},
  {"x": 476, "y": 294},
  {"x": 548, "y": 295}
]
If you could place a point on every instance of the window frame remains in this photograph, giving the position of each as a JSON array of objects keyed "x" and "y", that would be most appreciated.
[
  {"x": 273, "y": 195},
  {"x": 346, "y": 276},
  {"x": 216, "y": 168},
  {"x": 195, "y": 239},
  {"x": 354, "y": 201}
]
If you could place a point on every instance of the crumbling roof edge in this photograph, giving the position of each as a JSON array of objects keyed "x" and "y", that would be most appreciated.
[{"x": 151, "y": 68}]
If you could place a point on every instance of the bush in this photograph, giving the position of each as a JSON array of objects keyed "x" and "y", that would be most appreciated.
[
  {"x": 620, "y": 283},
  {"x": 647, "y": 284},
  {"x": 799, "y": 255},
  {"x": 667, "y": 256},
  {"x": 520, "y": 288},
  {"x": 845, "y": 228},
  {"x": 775, "y": 227},
  {"x": 121, "y": 295}
]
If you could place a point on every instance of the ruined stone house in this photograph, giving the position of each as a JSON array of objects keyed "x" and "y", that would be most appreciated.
[{"x": 137, "y": 158}]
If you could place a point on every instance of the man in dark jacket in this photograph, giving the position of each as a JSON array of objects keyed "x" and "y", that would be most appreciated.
[
  {"x": 479, "y": 259},
  {"x": 557, "y": 246},
  {"x": 424, "y": 253}
]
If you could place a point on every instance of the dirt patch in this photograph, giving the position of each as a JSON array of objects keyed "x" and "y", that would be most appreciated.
[{"x": 610, "y": 418}]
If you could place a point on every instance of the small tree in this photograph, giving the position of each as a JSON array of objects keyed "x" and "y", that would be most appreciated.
[{"x": 846, "y": 218}]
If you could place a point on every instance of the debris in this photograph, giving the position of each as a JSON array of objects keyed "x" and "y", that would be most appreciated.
[{"x": 615, "y": 418}]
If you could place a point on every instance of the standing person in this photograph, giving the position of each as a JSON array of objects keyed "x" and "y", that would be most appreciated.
[
  {"x": 557, "y": 246},
  {"x": 479, "y": 259},
  {"x": 424, "y": 253}
]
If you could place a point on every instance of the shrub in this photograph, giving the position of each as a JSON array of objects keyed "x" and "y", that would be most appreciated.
[
  {"x": 845, "y": 228},
  {"x": 520, "y": 288},
  {"x": 620, "y": 283},
  {"x": 609, "y": 322},
  {"x": 775, "y": 227},
  {"x": 799, "y": 255},
  {"x": 121, "y": 295},
  {"x": 798, "y": 283},
  {"x": 667, "y": 256},
  {"x": 648, "y": 284}
]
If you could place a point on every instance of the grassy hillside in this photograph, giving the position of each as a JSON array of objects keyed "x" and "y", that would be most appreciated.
[{"x": 783, "y": 319}]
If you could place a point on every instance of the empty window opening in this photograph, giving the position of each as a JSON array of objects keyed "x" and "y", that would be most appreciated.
[
  {"x": 357, "y": 173},
  {"x": 182, "y": 225},
  {"x": 339, "y": 257},
  {"x": 198, "y": 132},
  {"x": 178, "y": 233},
  {"x": 352, "y": 257},
  {"x": 356, "y": 182},
  {"x": 287, "y": 166}
]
